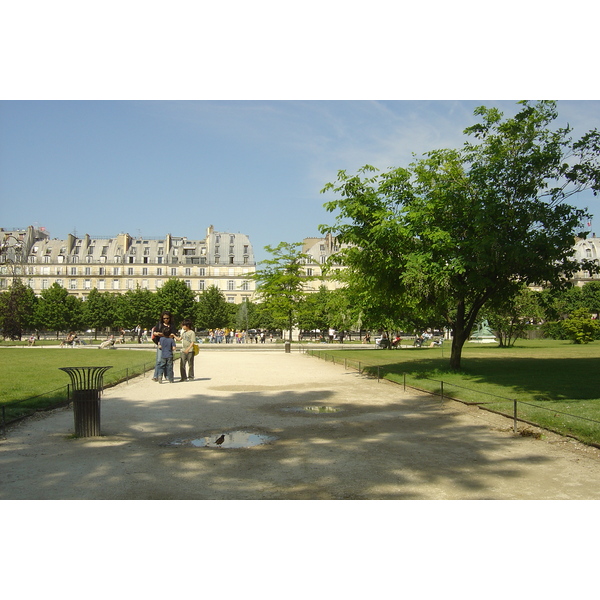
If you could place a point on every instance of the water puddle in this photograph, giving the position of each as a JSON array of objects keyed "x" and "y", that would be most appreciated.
[
  {"x": 313, "y": 409},
  {"x": 231, "y": 439}
]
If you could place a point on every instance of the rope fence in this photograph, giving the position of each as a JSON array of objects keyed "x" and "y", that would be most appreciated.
[
  {"x": 550, "y": 418},
  {"x": 17, "y": 410}
]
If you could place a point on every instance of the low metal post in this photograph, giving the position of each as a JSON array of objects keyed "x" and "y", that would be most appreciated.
[
  {"x": 515, "y": 416},
  {"x": 404, "y": 377},
  {"x": 378, "y": 374},
  {"x": 442, "y": 389}
]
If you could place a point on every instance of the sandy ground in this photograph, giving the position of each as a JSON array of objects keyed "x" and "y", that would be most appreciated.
[{"x": 381, "y": 443}]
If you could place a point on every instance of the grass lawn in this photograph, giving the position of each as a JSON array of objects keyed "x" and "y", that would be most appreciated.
[
  {"x": 547, "y": 377},
  {"x": 34, "y": 372}
]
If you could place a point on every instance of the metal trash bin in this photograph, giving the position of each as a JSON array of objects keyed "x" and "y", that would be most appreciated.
[
  {"x": 287, "y": 346},
  {"x": 87, "y": 386}
]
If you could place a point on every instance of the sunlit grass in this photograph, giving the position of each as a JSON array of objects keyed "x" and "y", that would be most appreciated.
[{"x": 546, "y": 377}]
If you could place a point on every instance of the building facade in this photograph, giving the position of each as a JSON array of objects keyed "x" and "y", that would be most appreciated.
[
  {"x": 320, "y": 250},
  {"x": 588, "y": 248},
  {"x": 79, "y": 264}
]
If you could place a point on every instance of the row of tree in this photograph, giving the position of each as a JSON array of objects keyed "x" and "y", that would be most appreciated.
[{"x": 55, "y": 310}]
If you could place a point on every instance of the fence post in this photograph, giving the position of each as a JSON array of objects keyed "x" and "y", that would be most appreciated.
[
  {"x": 515, "y": 416},
  {"x": 378, "y": 374},
  {"x": 442, "y": 389},
  {"x": 359, "y": 371},
  {"x": 404, "y": 377}
]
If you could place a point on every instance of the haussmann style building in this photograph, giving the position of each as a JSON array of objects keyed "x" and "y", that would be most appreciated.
[{"x": 121, "y": 263}]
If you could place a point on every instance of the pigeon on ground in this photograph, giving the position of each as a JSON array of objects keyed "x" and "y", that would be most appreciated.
[{"x": 220, "y": 440}]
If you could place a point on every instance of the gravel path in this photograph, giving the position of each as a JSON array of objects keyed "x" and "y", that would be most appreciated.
[{"x": 331, "y": 434}]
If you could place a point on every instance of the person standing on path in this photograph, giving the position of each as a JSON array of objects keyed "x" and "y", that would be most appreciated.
[
  {"x": 187, "y": 339},
  {"x": 166, "y": 320},
  {"x": 167, "y": 347}
]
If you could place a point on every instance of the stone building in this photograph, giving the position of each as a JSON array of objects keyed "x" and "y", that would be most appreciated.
[
  {"x": 121, "y": 263},
  {"x": 319, "y": 250},
  {"x": 587, "y": 248}
]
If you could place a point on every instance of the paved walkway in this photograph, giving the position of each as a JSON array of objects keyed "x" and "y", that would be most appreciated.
[{"x": 381, "y": 443}]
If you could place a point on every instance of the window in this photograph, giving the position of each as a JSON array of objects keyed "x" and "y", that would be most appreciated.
[
  {"x": 117, "y": 271},
  {"x": 44, "y": 284},
  {"x": 87, "y": 284},
  {"x": 230, "y": 285},
  {"x": 245, "y": 249},
  {"x": 159, "y": 271},
  {"x": 245, "y": 260},
  {"x": 245, "y": 286},
  {"x": 88, "y": 271},
  {"x": 72, "y": 284},
  {"x": 101, "y": 284},
  {"x": 130, "y": 285},
  {"x": 174, "y": 272},
  {"x": 201, "y": 285},
  {"x": 231, "y": 239},
  {"x": 231, "y": 299},
  {"x": 145, "y": 271},
  {"x": 188, "y": 272},
  {"x": 115, "y": 284},
  {"x": 231, "y": 260},
  {"x": 144, "y": 284},
  {"x": 231, "y": 250},
  {"x": 73, "y": 271},
  {"x": 188, "y": 283},
  {"x": 60, "y": 282},
  {"x": 202, "y": 271},
  {"x": 309, "y": 272},
  {"x": 129, "y": 270},
  {"x": 102, "y": 271}
]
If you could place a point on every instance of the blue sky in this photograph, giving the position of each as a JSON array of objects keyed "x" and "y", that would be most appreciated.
[{"x": 256, "y": 167}]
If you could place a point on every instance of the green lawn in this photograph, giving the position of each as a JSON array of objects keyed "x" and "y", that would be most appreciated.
[
  {"x": 34, "y": 372},
  {"x": 547, "y": 377}
]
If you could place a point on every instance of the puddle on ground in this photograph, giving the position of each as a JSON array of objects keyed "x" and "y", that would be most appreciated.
[
  {"x": 231, "y": 439},
  {"x": 313, "y": 409}
]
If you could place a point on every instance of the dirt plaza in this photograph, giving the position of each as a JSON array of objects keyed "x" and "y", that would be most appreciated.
[{"x": 292, "y": 427}]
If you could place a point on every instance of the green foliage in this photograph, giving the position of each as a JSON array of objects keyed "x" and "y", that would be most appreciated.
[
  {"x": 57, "y": 310},
  {"x": 554, "y": 330},
  {"x": 581, "y": 328},
  {"x": 213, "y": 311},
  {"x": 458, "y": 228},
  {"x": 510, "y": 319},
  {"x": 177, "y": 298},
  {"x": 17, "y": 310},
  {"x": 280, "y": 284}
]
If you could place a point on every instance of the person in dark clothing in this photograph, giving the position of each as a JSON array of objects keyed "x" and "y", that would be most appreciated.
[{"x": 166, "y": 321}]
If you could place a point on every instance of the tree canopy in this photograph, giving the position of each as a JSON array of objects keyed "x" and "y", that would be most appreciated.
[{"x": 459, "y": 228}]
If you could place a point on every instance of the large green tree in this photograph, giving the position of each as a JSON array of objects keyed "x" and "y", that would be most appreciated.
[
  {"x": 459, "y": 227},
  {"x": 177, "y": 298},
  {"x": 212, "y": 310},
  {"x": 17, "y": 309},
  {"x": 281, "y": 283},
  {"x": 57, "y": 310},
  {"x": 98, "y": 311}
]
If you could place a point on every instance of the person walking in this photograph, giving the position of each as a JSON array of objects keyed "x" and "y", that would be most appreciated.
[{"x": 186, "y": 362}]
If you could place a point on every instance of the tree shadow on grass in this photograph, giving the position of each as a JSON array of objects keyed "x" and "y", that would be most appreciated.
[{"x": 541, "y": 378}]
